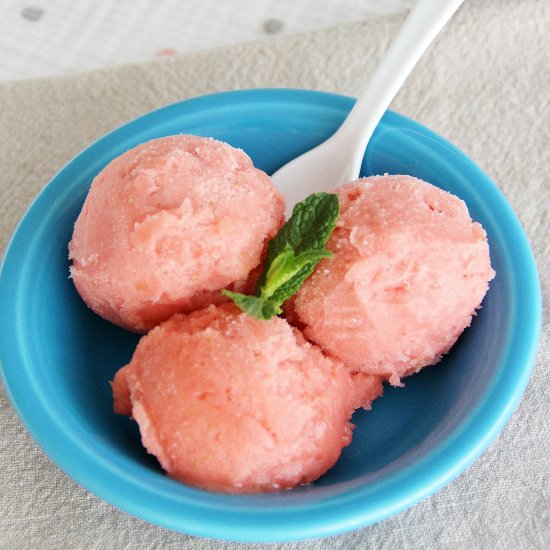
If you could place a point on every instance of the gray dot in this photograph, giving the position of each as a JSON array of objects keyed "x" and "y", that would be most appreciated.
[
  {"x": 32, "y": 13},
  {"x": 273, "y": 26}
]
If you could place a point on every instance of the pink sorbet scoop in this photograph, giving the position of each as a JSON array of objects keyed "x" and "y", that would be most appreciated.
[
  {"x": 409, "y": 269},
  {"x": 231, "y": 403},
  {"x": 169, "y": 224}
]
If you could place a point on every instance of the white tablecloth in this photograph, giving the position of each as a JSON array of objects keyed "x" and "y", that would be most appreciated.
[{"x": 54, "y": 37}]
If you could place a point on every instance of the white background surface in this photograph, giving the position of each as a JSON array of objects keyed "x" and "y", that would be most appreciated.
[{"x": 50, "y": 37}]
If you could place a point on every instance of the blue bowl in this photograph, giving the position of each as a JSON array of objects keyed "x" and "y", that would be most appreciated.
[{"x": 58, "y": 357}]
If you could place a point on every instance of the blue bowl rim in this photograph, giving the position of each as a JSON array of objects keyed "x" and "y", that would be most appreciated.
[{"x": 226, "y": 517}]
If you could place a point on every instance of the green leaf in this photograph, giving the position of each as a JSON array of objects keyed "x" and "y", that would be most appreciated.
[
  {"x": 309, "y": 228},
  {"x": 292, "y": 255},
  {"x": 286, "y": 267},
  {"x": 253, "y": 305}
]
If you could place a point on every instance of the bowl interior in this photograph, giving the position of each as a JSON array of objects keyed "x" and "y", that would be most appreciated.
[{"x": 58, "y": 357}]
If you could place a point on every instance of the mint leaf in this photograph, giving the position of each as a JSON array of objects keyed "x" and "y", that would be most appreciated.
[
  {"x": 252, "y": 305},
  {"x": 292, "y": 255},
  {"x": 308, "y": 228},
  {"x": 286, "y": 267}
]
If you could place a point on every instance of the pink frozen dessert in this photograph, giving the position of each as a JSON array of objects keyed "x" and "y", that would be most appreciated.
[
  {"x": 409, "y": 269},
  {"x": 169, "y": 224},
  {"x": 365, "y": 388},
  {"x": 231, "y": 403}
]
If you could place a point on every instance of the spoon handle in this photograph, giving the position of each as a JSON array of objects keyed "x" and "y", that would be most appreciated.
[{"x": 422, "y": 25}]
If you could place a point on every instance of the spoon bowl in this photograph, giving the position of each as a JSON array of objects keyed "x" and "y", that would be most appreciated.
[{"x": 338, "y": 159}]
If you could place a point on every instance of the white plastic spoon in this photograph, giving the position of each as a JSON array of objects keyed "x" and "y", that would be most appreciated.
[{"x": 338, "y": 159}]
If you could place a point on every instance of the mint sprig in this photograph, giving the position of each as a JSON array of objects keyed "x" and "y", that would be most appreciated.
[{"x": 292, "y": 256}]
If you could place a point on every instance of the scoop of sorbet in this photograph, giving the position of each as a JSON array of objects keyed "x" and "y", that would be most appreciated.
[
  {"x": 230, "y": 403},
  {"x": 409, "y": 269},
  {"x": 167, "y": 225}
]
